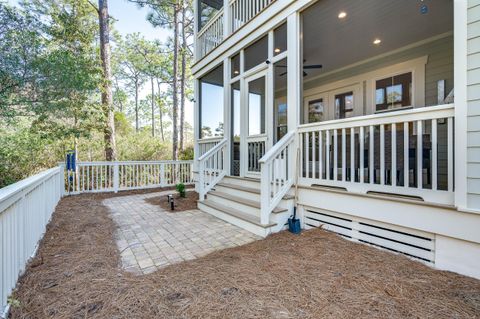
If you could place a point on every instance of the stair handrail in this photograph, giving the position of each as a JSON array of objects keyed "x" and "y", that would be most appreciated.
[
  {"x": 276, "y": 177},
  {"x": 210, "y": 176}
]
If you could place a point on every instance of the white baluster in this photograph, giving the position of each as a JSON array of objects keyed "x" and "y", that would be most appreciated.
[
  {"x": 382, "y": 154},
  {"x": 394, "y": 154},
  {"x": 406, "y": 156},
  {"x": 419, "y": 154}
]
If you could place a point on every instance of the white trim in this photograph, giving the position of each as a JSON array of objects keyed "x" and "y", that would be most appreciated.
[{"x": 460, "y": 93}]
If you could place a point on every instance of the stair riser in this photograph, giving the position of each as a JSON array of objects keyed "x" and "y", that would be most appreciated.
[
  {"x": 253, "y": 211},
  {"x": 239, "y": 193},
  {"x": 281, "y": 219},
  {"x": 242, "y": 182},
  {"x": 260, "y": 231}
]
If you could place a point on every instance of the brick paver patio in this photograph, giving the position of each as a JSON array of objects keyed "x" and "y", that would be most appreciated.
[{"x": 149, "y": 237}]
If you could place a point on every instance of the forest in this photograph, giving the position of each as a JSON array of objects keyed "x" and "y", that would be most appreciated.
[{"x": 70, "y": 81}]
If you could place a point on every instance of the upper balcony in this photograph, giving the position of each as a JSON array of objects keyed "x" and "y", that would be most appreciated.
[{"x": 218, "y": 19}]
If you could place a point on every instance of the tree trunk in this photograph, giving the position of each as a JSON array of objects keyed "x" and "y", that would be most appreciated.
[
  {"x": 107, "y": 100},
  {"x": 136, "y": 107},
  {"x": 161, "y": 115},
  {"x": 153, "y": 107},
  {"x": 183, "y": 75},
  {"x": 175, "y": 83}
]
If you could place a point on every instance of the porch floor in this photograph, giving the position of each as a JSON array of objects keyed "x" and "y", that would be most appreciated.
[
  {"x": 149, "y": 238},
  {"x": 77, "y": 273}
]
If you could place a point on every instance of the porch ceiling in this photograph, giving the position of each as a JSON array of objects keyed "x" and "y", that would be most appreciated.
[{"x": 335, "y": 42}]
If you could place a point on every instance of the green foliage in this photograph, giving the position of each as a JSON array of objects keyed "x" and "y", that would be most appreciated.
[
  {"x": 181, "y": 189},
  {"x": 186, "y": 154}
]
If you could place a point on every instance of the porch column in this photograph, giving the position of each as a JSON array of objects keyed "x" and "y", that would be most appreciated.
[
  {"x": 196, "y": 125},
  {"x": 195, "y": 29},
  {"x": 460, "y": 93},
  {"x": 227, "y": 21},
  {"x": 294, "y": 81},
  {"x": 227, "y": 122},
  {"x": 294, "y": 65}
]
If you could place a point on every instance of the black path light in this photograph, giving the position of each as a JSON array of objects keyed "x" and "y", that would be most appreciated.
[{"x": 171, "y": 201}]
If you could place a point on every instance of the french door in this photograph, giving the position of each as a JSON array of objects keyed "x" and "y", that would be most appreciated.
[{"x": 255, "y": 102}]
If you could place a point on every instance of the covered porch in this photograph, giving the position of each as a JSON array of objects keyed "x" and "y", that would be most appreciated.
[{"x": 367, "y": 99}]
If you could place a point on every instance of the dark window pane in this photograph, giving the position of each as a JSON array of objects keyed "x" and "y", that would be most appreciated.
[
  {"x": 394, "y": 92},
  {"x": 280, "y": 39},
  {"x": 256, "y": 53},
  {"x": 206, "y": 10},
  {"x": 316, "y": 111},
  {"x": 235, "y": 70}
]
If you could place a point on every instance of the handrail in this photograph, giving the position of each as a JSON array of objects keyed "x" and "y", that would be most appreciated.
[
  {"x": 277, "y": 175},
  {"x": 279, "y": 146},
  {"x": 212, "y": 150},
  {"x": 211, "y": 175},
  {"x": 421, "y": 113}
]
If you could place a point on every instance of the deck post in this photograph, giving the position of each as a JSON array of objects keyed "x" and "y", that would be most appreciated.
[{"x": 116, "y": 177}]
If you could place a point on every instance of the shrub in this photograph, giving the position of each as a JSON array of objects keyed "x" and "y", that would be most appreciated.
[{"x": 181, "y": 189}]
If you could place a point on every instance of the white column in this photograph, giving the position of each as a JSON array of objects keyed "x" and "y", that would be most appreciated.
[
  {"x": 227, "y": 20},
  {"x": 294, "y": 81},
  {"x": 460, "y": 78},
  {"x": 243, "y": 120},
  {"x": 196, "y": 128},
  {"x": 270, "y": 96},
  {"x": 195, "y": 29},
  {"x": 227, "y": 116}
]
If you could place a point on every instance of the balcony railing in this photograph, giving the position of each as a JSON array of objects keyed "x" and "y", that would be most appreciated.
[
  {"x": 407, "y": 153},
  {"x": 238, "y": 13}
]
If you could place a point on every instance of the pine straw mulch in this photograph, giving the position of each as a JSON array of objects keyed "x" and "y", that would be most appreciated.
[
  {"x": 188, "y": 202},
  {"x": 315, "y": 275}
]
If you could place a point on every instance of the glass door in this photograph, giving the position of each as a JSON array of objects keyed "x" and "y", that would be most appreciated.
[{"x": 255, "y": 100}]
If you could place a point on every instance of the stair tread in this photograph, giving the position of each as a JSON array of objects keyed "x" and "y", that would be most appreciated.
[
  {"x": 236, "y": 213},
  {"x": 248, "y": 189},
  {"x": 244, "y": 201}
]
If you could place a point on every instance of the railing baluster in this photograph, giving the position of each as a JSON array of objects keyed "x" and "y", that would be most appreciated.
[
  {"x": 434, "y": 154},
  {"x": 382, "y": 154},
  {"x": 344, "y": 154},
  {"x": 320, "y": 155},
  {"x": 371, "y": 165},
  {"x": 361, "y": 144},
  {"x": 335, "y": 155},
  {"x": 352, "y": 154},
  {"x": 406, "y": 157},
  {"x": 394, "y": 155},
  {"x": 314, "y": 161},
  {"x": 450, "y": 153},
  {"x": 327, "y": 153},
  {"x": 307, "y": 147},
  {"x": 419, "y": 154}
]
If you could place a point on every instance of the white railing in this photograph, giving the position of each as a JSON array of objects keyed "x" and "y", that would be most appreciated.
[
  {"x": 116, "y": 176},
  {"x": 256, "y": 146},
  {"x": 242, "y": 11},
  {"x": 211, "y": 168},
  {"x": 211, "y": 35},
  {"x": 407, "y": 152},
  {"x": 204, "y": 145},
  {"x": 25, "y": 210},
  {"x": 277, "y": 176}
]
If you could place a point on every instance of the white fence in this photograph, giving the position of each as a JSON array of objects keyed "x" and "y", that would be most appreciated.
[
  {"x": 115, "y": 176},
  {"x": 25, "y": 210},
  {"x": 406, "y": 152}
]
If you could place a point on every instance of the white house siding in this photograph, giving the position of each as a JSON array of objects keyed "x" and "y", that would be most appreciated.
[{"x": 473, "y": 101}]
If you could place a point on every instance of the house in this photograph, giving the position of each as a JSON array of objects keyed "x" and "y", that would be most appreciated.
[{"x": 368, "y": 110}]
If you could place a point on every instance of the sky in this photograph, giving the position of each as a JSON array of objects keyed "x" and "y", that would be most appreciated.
[{"x": 131, "y": 19}]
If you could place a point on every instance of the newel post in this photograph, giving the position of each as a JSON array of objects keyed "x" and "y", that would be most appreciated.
[
  {"x": 265, "y": 194},
  {"x": 116, "y": 177}
]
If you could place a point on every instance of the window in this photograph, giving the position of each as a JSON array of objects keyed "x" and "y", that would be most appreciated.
[
  {"x": 280, "y": 99},
  {"x": 235, "y": 65},
  {"x": 256, "y": 106},
  {"x": 344, "y": 105},
  {"x": 280, "y": 39},
  {"x": 211, "y": 103},
  {"x": 316, "y": 111},
  {"x": 256, "y": 53},
  {"x": 393, "y": 92}
]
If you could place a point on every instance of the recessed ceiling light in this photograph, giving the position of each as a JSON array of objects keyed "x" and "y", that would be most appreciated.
[
  {"x": 277, "y": 50},
  {"x": 236, "y": 72},
  {"x": 342, "y": 15},
  {"x": 377, "y": 41}
]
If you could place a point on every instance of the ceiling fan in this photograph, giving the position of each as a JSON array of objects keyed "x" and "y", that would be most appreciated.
[{"x": 305, "y": 67}]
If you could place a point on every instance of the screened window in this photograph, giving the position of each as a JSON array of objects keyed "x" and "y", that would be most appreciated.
[
  {"x": 280, "y": 39},
  {"x": 394, "y": 92},
  {"x": 256, "y": 53},
  {"x": 235, "y": 65},
  {"x": 207, "y": 10},
  {"x": 211, "y": 103},
  {"x": 316, "y": 111}
]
